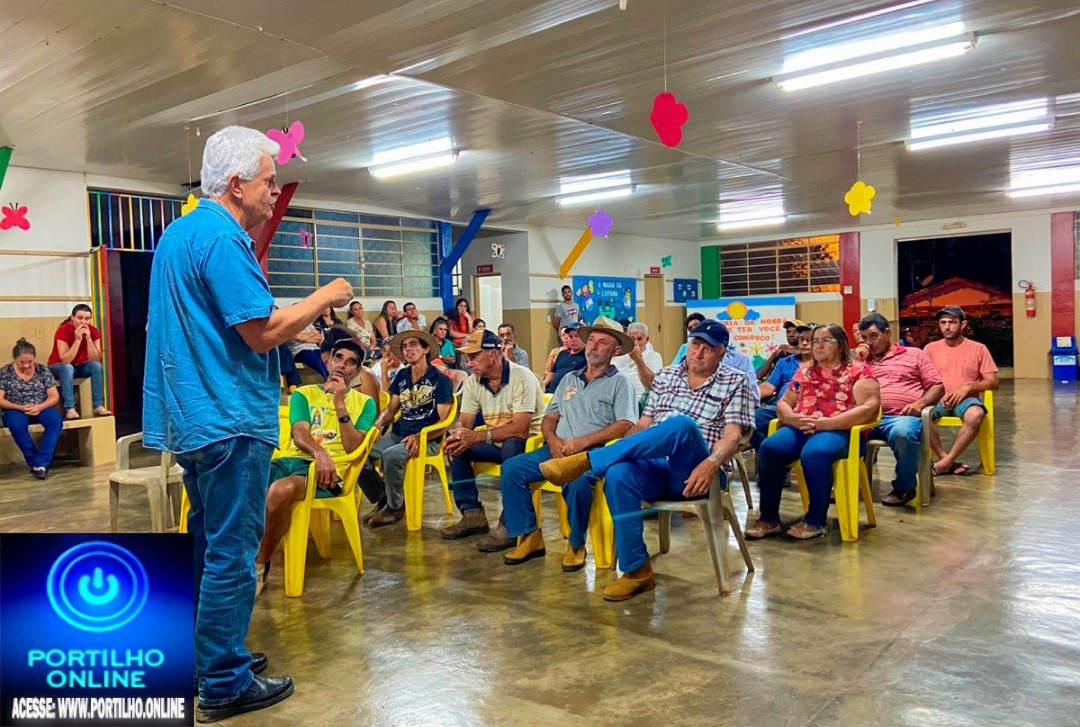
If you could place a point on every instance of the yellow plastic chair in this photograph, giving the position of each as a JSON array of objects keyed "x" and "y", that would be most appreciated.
[
  {"x": 416, "y": 471},
  {"x": 924, "y": 479},
  {"x": 850, "y": 481},
  {"x": 533, "y": 443},
  {"x": 985, "y": 439},
  {"x": 384, "y": 400},
  {"x": 313, "y": 515}
]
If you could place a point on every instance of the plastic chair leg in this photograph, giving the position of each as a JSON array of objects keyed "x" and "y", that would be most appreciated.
[
  {"x": 536, "y": 507},
  {"x": 602, "y": 530},
  {"x": 114, "y": 506},
  {"x": 716, "y": 537},
  {"x": 414, "y": 495},
  {"x": 803, "y": 492},
  {"x": 320, "y": 531},
  {"x": 159, "y": 514},
  {"x": 296, "y": 538},
  {"x": 740, "y": 465},
  {"x": 843, "y": 502},
  {"x": 564, "y": 515},
  {"x": 868, "y": 501},
  {"x": 352, "y": 532},
  {"x": 986, "y": 446},
  {"x": 728, "y": 508},
  {"x": 440, "y": 469},
  {"x": 665, "y": 530}
]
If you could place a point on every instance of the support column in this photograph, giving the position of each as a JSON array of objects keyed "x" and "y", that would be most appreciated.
[
  {"x": 1062, "y": 264},
  {"x": 849, "y": 279}
]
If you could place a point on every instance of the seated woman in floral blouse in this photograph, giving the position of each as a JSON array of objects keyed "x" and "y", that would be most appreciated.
[
  {"x": 824, "y": 401},
  {"x": 28, "y": 395}
]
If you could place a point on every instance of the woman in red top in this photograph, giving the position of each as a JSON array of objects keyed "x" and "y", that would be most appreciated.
[
  {"x": 824, "y": 401},
  {"x": 461, "y": 322},
  {"x": 77, "y": 352}
]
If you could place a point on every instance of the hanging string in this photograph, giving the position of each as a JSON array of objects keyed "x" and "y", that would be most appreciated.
[
  {"x": 663, "y": 30},
  {"x": 187, "y": 156},
  {"x": 858, "y": 149},
  {"x": 285, "y": 78}
]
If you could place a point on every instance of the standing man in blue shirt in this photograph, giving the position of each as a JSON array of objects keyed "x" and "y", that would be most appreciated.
[{"x": 211, "y": 396}]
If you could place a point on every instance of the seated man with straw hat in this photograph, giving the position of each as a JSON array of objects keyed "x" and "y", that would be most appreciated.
[
  {"x": 424, "y": 397},
  {"x": 691, "y": 426},
  {"x": 591, "y": 406}
]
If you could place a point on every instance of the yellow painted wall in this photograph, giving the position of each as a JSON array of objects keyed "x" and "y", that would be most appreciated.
[
  {"x": 820, "y": 311},
  {"x": 38, "y": 331},
  {"x": 1031, "y": 338}
]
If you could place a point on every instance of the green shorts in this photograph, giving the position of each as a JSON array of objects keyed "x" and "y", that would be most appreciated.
[{"x": 283, "y": 467}]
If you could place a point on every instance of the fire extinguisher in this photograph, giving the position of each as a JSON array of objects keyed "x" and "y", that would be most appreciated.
[{"x": 1029, "y": 298}]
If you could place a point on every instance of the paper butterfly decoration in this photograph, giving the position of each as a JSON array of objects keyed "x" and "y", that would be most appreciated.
[
  {"x": 14, "y": 216},
  {"x": 859, "y": 198},
  {"x": 305, "y": 239},
  {"x": 666, "y": 261},
  {"x": 668, "y": 117},
  {"x": 289, "y": 141},
  {"x": 498, "y": 250},
  {"x": 189, "y": 204},
  {"x": 600, "y": 223}
]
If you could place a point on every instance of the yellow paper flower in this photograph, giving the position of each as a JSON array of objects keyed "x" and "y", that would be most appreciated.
[
  {"x": 191, "y": 203},
  {"x": 858, "y": 198}
]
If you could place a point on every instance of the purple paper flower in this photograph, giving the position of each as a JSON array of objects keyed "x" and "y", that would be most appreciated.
[{"x": 600, "y": 223}]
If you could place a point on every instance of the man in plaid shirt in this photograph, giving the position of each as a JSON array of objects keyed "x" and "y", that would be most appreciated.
[{"x": 690, "y": 428}]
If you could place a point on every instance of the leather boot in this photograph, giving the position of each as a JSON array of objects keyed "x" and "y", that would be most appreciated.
[
  {"x": 561, "y": 470},
  {"x": 631, "y": 584},
  {"x": 531, "y": 546},
  {"x": 574, "y": 559},
  {"x": 472, "y": 522}
]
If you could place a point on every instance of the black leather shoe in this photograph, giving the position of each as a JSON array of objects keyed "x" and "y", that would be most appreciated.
[
  {"x": 259, "y": 662},
  {"x": 263, "y": 692}
]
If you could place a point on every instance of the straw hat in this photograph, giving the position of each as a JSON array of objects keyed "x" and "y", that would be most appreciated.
[
  {"x": 612, "y": 328},
  {"x": 400, "y": 338}
]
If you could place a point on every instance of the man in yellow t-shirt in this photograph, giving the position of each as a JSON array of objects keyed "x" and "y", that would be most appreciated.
[{"x": 327, "y": 421}]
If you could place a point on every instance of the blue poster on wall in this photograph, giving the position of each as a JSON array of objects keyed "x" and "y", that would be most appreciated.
[
  {"x": 685, "y": 289},
  {"x": 614, "y": 298}
]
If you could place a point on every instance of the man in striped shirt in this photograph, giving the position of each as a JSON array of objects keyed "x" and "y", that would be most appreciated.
[{"x": 691, "y": 426}]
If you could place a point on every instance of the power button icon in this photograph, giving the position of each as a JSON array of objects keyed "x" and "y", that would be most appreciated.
[{"x": 97, "y": 586}]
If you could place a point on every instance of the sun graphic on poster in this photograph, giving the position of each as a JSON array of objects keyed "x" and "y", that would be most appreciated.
[{"x": 737, "y": 310}]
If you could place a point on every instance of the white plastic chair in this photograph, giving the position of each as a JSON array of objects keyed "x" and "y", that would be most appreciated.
[{"x": 162, "y": 483}]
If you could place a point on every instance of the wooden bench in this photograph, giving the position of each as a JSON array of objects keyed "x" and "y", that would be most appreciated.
[{"x": 95, "y": 438}]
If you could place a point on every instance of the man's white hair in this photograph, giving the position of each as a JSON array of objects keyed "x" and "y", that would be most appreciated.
[
  {"x": 233, "y": 150},
  {"x": 637, "y": 327}
]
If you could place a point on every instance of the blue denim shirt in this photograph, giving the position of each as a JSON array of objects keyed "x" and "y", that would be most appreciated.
[{"x": 203, "y": 384}]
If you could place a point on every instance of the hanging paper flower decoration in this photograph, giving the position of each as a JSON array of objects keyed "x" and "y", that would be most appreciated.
[
  {"x": 600, "y": 223},
  {"x": 498, "y": 251},
  {"x": 665, "y": 261},
  {"x": 668, "y": 117},
  {"x": 189, "y": 204},
  {"x": 289, "y": 141},
  {"x": 14, "y": 216},
  {"x": 859, "y": 198}
]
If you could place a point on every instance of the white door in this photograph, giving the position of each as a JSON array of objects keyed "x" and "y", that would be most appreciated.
[{"x": 490, "y": 300}]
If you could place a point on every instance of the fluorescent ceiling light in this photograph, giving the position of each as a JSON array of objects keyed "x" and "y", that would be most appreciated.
[
  {"x": 1041, "y": 191},
  {"x": 746, "y": 224},
  {"x": 427, "y": 148},
  {"x": 414, "y": 165},
  {"x": 611, "y": 193},
  {"x": 879, "y": 65},
  {"x": 1039, "y": 182},
  {"x": 832, "y": 54},
  {"x": 1008, "y": 114},
  {"x": 979, "y": 136},
  {"x": 369, "y": 82},
  {"x": 590, "y": 182}
]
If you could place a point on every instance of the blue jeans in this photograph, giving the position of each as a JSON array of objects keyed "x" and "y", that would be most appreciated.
[
  {"x": 816, "y": 452},
  {"x": 518, "y": 474},
  {"x": 763, "y": 416},
  {"x": 650, "y": 465},
  {"x": 903, "y": 433},
  {"x": 461, "y": 473},
  {"x": 66, "y": 373},
  {"x": 313, "y": 360},
  {"x": 226, "y": 483},
  {"x": 35, "y": 456}
]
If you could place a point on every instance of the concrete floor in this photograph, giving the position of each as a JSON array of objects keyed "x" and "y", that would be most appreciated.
[{"x": 967, "y": 613}]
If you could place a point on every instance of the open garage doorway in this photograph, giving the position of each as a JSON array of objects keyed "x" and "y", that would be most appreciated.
[{"x": 971, "y": 271}]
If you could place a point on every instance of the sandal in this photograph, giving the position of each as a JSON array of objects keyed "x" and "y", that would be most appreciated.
[
  {"x": 802, "y": 531},
  {"x": 262, "y": 577},
  {"x": 761, "y": 530},
  {"x": 898, "y": 498},
  {"x": 102, "y": 412},
  {"x": 959, "y": 469}
]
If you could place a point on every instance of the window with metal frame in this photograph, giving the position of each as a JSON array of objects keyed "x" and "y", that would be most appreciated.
[
  {"x": 799, "y": 265},
  {"x": 129, "y": 222},
  {"x": 380, "y": 256}
]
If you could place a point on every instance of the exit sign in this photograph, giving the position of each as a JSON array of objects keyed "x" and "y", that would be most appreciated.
[
  {"x": 654, "y": 270},
  {"x": 481, "y": 269}
]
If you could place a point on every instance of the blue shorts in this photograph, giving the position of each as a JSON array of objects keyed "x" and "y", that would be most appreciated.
[{"x": 959, "y": 409}]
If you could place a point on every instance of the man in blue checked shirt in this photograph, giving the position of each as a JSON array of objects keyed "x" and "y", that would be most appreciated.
[
  {"x": 776, "y": 385},
  {"x": 211, "y": 392},
  {"x": 690, "y": 428}
]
